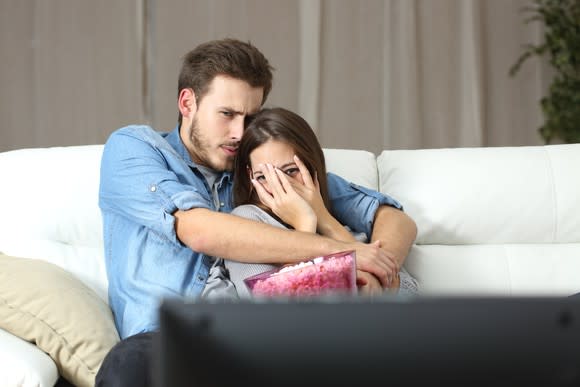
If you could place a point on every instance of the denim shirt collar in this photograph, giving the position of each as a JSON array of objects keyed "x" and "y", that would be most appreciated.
[{"x": 174, "y": 139}]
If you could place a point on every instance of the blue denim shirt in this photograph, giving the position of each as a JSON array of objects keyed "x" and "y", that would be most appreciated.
[{"x": 145, "y": 177}]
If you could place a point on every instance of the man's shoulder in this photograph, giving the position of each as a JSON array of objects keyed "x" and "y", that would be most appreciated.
[
  {"x": 142, "y": 132},
  {"x": 138, "y": 137},
  {"x": 336, "y": 182}
]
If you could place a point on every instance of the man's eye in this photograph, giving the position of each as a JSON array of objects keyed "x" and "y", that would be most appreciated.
[
  {"x": 226, "y": 113},
  {"x": 292, "y": 171}
]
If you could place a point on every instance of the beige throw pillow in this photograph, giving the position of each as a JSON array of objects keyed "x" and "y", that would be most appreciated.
[{"x": 46, "y": 305}]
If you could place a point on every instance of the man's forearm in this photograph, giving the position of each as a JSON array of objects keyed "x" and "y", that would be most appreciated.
[
  {"x": 396, "y": 231},
  {"x": 232, "y": 237}
]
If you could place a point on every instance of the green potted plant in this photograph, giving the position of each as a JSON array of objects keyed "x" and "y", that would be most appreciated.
[{"x": 561, "y": 107}]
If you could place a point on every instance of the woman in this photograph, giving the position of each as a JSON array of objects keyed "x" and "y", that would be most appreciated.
[{"x": 280, "y": 179}]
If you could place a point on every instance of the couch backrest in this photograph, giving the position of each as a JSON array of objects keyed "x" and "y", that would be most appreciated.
[
  {"x": 357, "y": 166},
  {"x": 491, "y": 220},
  {"x": 49, "y": 209}
]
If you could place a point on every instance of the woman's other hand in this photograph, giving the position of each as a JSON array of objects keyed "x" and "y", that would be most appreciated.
[{"x": 368, "y": 284}]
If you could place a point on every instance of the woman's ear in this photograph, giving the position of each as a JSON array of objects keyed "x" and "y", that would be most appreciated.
[{"x": 187, "y": 103}]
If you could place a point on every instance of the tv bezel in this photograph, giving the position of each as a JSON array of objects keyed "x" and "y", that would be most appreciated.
[{"x": 391, "y": 341}]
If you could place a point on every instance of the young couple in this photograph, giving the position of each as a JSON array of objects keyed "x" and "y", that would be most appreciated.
[
  {"x": 166, "y": 199},
  {"x": 280, "y": 179}
]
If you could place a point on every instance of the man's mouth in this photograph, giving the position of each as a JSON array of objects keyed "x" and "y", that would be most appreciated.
[{"x": 230, "y": 150}]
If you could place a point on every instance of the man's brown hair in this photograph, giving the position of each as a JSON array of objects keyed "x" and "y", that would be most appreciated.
[{"x": 230, "y": 57}]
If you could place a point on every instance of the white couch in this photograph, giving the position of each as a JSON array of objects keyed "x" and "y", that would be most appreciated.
[{"x": 491, "y": 221}]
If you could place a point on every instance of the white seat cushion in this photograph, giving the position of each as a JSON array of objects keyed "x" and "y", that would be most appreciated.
[
  {"x": 24, "y": 364},
  {"x": 506, "y": 269}
]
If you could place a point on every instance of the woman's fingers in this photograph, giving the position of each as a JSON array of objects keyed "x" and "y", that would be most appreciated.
[
  {"x": 368, "y": 284},
  {"x": 304, "y": 172},
  {"x": 283, "y": 179},
  {"x": 273, "y": 181},
  {"x": 263, "y": 195},
  {"x": 316, "y": 183}
]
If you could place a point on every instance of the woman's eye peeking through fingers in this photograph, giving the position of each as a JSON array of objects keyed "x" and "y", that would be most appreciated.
[{"x": 292, "y": 171}]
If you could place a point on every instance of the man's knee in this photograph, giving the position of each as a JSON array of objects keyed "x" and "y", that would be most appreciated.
[{"x": 128, "y": 363}]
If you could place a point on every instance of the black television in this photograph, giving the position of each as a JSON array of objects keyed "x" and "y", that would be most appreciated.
[{"x": 357, "y": 341}]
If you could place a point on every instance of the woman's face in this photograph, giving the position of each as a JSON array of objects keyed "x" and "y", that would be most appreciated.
[{"x": 277, "y": 153}]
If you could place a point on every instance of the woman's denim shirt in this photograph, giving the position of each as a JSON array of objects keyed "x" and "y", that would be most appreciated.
[{"x": 145, "y": 177}]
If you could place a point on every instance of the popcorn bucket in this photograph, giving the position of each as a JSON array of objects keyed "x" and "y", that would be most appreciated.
[{"x": 329, "y": 274}]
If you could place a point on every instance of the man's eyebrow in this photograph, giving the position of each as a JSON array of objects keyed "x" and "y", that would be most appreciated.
[
  {"x": 229, "y": 110},
  {"x": 237, "y": 112}
]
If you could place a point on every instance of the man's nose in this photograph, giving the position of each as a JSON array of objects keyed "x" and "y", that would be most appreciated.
[{"x": 237, "y": 128}]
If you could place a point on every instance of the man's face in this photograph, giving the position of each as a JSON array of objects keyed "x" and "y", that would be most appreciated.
[{"x": 218, "y": 123}]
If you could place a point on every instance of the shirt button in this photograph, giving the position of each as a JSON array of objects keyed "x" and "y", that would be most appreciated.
[
  {"x": 153, "y": 188},
  {"x": 200, "y": 278}
]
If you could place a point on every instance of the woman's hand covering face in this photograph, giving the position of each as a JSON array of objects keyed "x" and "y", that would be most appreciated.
[{"x": 283, "y": 200}]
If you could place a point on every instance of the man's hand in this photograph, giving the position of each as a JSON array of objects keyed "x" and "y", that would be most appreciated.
[{"x": 373, "y": 259}]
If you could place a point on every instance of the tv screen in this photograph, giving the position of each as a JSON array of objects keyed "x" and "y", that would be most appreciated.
[{"x": 358, "y": 341}]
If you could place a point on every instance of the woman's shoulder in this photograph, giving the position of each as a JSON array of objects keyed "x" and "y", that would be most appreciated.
[
  {"x": 252, "y": 211},
  {"x": 247, "y": 209}
]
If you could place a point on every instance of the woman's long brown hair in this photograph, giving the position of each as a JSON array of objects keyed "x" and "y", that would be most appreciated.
[{"x": 285, "y": 126}]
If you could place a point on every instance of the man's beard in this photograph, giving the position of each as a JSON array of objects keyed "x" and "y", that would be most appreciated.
[{"x": 202, "y": 149}]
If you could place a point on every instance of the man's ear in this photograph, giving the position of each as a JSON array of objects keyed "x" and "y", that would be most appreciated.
[{"x": 186, "y": 103}]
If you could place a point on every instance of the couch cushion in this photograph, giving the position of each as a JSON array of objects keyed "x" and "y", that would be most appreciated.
[
  {"x": 46, "y": 305},
  {"x": 24, "y": 364},
  {"x": 487, "y": 195},
  {"x": 500, "y": 270},
  {"x": 356, "y": 166}
]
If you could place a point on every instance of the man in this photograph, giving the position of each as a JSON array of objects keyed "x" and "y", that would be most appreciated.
[{"x": 165, "y": 199}]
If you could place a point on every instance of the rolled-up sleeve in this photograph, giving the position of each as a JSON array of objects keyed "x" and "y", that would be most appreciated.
[
  {"x": 138, "y": 183},
  {"x": 354, "y": 205}
]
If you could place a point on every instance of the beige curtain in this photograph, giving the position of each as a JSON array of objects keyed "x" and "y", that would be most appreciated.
[
  {"x": 70, "y": 71},
  {"x": 422, "y": 74},
  {"x": 366, "y": 74}
]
